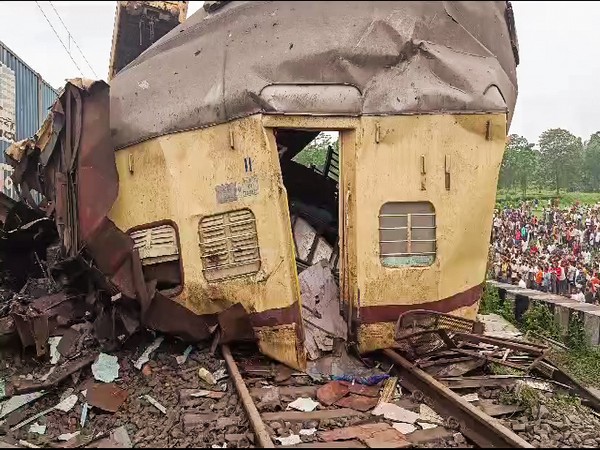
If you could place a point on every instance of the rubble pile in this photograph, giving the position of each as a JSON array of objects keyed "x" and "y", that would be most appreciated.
[
  {"x": 552, "y": 420},
  {"x": 164, "y": 403}
]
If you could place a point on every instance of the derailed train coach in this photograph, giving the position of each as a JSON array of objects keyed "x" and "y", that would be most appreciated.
[
  {"x": 209, "y": 127},
  {"x": 208, "y": 122}
]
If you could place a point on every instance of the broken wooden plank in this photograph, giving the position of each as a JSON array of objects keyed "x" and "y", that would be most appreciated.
[{"x": 300, "y": 416}]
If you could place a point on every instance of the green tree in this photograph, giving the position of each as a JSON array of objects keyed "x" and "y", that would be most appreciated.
[
  {"x": 519, "y": 164},
  {"x": 591, "y": 163},
  {"x": 560, "y": 156},
  {"x": 315, "y": 153}
]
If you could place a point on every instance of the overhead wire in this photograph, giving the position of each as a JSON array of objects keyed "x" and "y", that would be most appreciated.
[
  {"x": 73, "y": 39},
  {"x": 58, "y": 37}
]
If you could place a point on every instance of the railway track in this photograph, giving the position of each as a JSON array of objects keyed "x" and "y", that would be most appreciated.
[
  {"x": 446, "y": 369},
  {"x": 265, "y": 390}
]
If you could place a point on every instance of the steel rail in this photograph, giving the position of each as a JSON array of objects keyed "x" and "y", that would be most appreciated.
[{"x": 483, "y": 430}]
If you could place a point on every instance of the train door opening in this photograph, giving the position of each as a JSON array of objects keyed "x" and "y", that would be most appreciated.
[{"x": 310, "y": 168}]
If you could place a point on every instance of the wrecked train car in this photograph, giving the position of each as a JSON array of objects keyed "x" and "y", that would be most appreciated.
[
  {"x": 209, "y": 205},
  {"x": 421, "y": 94}
]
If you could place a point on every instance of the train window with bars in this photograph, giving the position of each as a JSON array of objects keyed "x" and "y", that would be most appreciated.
[
  {"x": 158, "y": 247},
  {"x": 229, "y": 245},
  {"x": 407, "y": 234}
]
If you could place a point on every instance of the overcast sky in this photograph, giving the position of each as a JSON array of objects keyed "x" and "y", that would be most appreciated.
[{"x": 559, "y": 74}]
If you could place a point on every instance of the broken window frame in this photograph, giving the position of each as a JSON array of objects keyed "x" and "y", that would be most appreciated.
[{"x": 172, "y": 292}]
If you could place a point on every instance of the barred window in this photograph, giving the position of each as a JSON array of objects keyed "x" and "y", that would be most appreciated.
[
  {"x": 407, "y": 234},
  {"x": 229, "y": 245}
]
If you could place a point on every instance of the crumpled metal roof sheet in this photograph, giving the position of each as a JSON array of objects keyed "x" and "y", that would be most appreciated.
[{"x": 394, "y": 58}]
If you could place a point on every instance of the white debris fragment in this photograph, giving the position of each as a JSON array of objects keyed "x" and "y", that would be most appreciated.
[
  {"x": 220, "y": 374},
  {"x": 84, "y": 412},
  {"x": 404, "y": 428},
  {"x": 426, "y": 414},
  {"x": 398, "y": 393},
  {"x": 395, "y": 413},
  {"x": 200, "y": 393},
  {"x": 106, "y": 368},
  {"x": 154, "y": 403},
  {"x": 206, "y": 376},
  {"x": 37, "y": 428},
  {"x": 145, "y": 357},
  {"x": 17, "y": 401},
  {"x": 54, "y": 355},
  {"x": 144, "y": 84},
  {"x": 471, "y": 397},
  {"x": 26, "y": 444},
  {"x": 303, "y": 404},
  {"x": 292, "y": 439},
  {"x": 68, "y": 436},
  {"x": 218, "y": 446},
  {"x": 67, "y": 404},
  {"x": 308, "y": 432},
  {"x": 539, "y": 385},
  {"x": 426, "y": 426},
  {"x": 181, "y": 359},
  {"x": 47, "y": 374}
]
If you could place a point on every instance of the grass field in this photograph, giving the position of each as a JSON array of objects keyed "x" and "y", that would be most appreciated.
[{"x": 514, "y": 198}]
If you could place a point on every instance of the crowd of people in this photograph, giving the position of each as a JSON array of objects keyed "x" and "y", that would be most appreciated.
[{"x": 548, "y": 248}]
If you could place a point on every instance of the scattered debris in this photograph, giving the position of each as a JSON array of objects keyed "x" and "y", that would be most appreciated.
[
  {"x": 106, "y": 368},
  {"x": 375, "y": 435},
  {"x": 16, "y": 402},
  {"x": 471, "y": 397},
  {"x": 332, "y": 392},
  {"x": 303, "y": 404},
  {"x": 154, "y": 403},
  {"x": 37, "y": 428},
  {"x": 427, "y": 426},
  {"x": 539, "y": 385},
  {"x": 108, "y": 397},
  {"x": 47, "y": 374},
  {"x": 67, "y": 404},
  {"x": 209, "y": 394},
  {"x": 426, "y": 414},
  {"x": 389, "y": 390},
  {"x": 68, "y": 436},
  {"x": 181, "y": 359},
  {"x": 395, "y": 413},
  {"x": 118, "y": 438},
  {"x": 54, "y": 354},
  {"x": 404, "y": 428},
  {"x": 26, "y": 444},
  {"x": 220, "y": 374},
  {"x": 292, "y": 439},
  {"x": 308, "y": 432},
  {"x": 145, "y": 357},
  {"x": 206, "y": 376},
  {"x": 84, "y": 413},
  {"x": 357, "y": 402}
]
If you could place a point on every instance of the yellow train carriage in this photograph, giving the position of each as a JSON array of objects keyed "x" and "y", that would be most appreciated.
[{"x": 209, "y": 121}]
